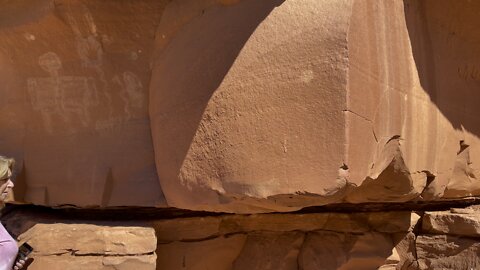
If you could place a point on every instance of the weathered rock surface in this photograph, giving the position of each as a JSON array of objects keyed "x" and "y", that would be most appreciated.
[
  {"x": 84, "y": 246},
  {"x": 272, "y": 121},
  {"x": 450, "y": 240},
  {"x": 447, "y": 252},
  {"x": 94, "y": 263},
  {"x": 74, "y": 101},
  {"x": 262, "y": 241},
  {"x": 402, "y": 240},
  {"x": 240, "y": 106},
  {"x": 245, "y": 107},
  {"x": 459, "y": 222},
  {"x": 85, "y": 239}
]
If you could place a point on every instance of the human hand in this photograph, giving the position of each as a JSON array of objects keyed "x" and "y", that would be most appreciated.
[{"x": 20, "y": 264}]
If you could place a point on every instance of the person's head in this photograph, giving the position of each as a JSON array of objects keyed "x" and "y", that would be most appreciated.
[{"x": 6, "y": 184}]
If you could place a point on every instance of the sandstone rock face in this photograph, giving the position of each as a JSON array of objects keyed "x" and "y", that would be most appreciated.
[
  {"x": 262, "y": 241},
  {"x": 74, "y": 101},
  {"x": 89, "y": 239},
  {"x": 450, "y": 240},
  {"x": 81, "y": 246},
  {"x": 94, "y": 263},
  {"x": 369, "y": 240},
  {"x": 447, "y": 252},
  {"x": 260, "y": 114},
  {"x": 240, "y": 106},
  {"x": 455, "y": 222},
  {"x": 244, "y": 107}
]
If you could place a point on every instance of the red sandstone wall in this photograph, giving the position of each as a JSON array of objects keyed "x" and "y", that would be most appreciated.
[{"x": 239, "y": 106}]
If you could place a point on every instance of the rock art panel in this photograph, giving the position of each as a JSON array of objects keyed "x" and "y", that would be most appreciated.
[
  {"x": 63, "y": 101},
  {"x": 239, "y": 105},
  {"x": 74, "y": 110}
]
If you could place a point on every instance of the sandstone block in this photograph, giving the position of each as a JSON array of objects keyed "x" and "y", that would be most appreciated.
[
  {"x": 215, "y": 254},
  {"x": 142, "y": 262},
  {"x": 447, "y": 252},
  {"x": 84, "y": 246},
  {"x": 270, "y": 251},
  {"x": 83, "y": 239},
  {"x": 466, "y": 223},
  {"x": 328, "y": 250},
  {"x": 194, "y": 229}
]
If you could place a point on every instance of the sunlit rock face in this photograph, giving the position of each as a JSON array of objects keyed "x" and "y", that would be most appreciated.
[
  {"x": 240, "y": 106},
  {"x": 313, "y": 102},
  {"x": 247, "y": 104},
  {"x": 243, "y": 106},
  {"x": 411, "y": 79}
]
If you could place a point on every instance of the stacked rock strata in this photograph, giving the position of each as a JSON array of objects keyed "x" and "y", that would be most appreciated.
[{"x": 369, "y": 240}]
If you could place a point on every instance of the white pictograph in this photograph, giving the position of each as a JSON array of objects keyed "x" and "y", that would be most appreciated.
[
  {"x": 131, "y": 93},
  {"x": 64, "y": 102},
  {"x": 89, "y": 47}
]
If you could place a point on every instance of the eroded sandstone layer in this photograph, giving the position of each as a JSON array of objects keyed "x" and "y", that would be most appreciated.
[
  {"x": 240, "y": 106},
  {"x": 406, "y": 240}
]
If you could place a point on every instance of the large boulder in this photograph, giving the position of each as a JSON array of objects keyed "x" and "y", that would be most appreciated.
[{"x": 277, "y": 105}]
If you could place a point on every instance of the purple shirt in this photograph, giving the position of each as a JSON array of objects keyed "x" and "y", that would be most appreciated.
[{"x": 8, "y": 249}]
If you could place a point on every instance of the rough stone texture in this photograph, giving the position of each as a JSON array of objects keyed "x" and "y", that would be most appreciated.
[
  {"x": 447, "y": 252},
  {"x": 254, "y": 128},
  {"x": 94, "y": 263},
  {"x": 240, "y": 106},
  {"x": 84, "y": 246},
  {"x": 450, "y": 240},
  {"x": 405, "y": 60},
  {"x": 331, "y": 240},
  {"x": 218, "y": 253},
  {"x": 85, "y": 239},
  {"x": 192, "y": 229},
  {"x": 74, "y": 100},
  {"x": 226, "y": 242},
  {"x": 462, "y": 222},
  {"x": 246, "y": 107},
  {"x": 411, "y": 241},
  {"x": 251, "y": 126}
]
